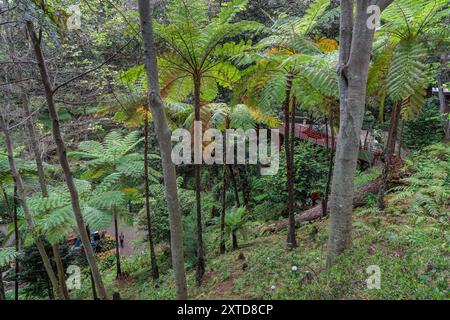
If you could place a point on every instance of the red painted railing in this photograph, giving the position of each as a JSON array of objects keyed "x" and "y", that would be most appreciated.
[{"x": 304, "y": 132}]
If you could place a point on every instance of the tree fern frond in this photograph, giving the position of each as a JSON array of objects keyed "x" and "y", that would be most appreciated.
[
  {"x": 7, "y": 255},
  {"x": 97, "y": 219},
  {"x": 407, "y": 71}
]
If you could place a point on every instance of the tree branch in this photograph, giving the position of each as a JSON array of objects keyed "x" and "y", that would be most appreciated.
[{"x": 93, "y": 69}]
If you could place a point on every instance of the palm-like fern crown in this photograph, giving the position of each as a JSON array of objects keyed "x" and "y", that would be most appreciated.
[
  {"x": 53, "y": 215},
  {"x": 406, "y": 19},
  {"x": 225, "y": 117},
  {"x": 401, "y": 67},
  {"x": 7, "y": 255},
  {"x": 115, "y": 155},
  {"x": 196, "y": 46},
  {"x": 289, "y": 55}
]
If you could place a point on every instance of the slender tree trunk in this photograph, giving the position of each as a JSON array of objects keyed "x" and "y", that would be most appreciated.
[
  {"x": 390, "y": 150},
  {"x": 116, "y": 233},
  {"x": 155, "y": 271},
  {"x": 365, "y": 139},
  {"x": 444, "y": 107},
  {"x": 292, "y": 153},
  {"x": 62, "y": 154},
  {"x": 50, "y": 293},
  {"x": 60, "y": 271},
  {"x": 2, "y": 287},
  {"x": 200, "y": 270},
  {"x": 32, "y": 136},
  {"x": 356, "y": 40},
  {"x": 245, "y": 186},
  {"x": 291, "y": 237},
  {"x": 34, "y": 145},
  {"x": 234, "y": 240},
  {"x": 237, "y": 202},
  {"x": 28, "y": 218},
  {"x": 330, "y": 166},
  {"x": 17, "y": 245},
  {"x": 94, "y": 291},
  {"x": 164, "y": 139},
  {"x": 294, "y": 107},
  {"x": 224, "y": 203},
  {"x": 400, "y": 137},
  {"x": 382, "y": 104}
]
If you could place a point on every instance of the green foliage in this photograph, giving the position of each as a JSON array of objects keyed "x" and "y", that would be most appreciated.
[
  {"x": 268, "y": 211},
  {"x": 32, "y": 271},
  {"x": 55, "y": 13},
  {"x": 367, "y": 176},
  {"x": 305, "y": 24},
  {"x": 408, "y": 29},
  {"x": 426, "y": 128},
  {"x": 7, "y": 255},
  {"x": 198, "y": 48},
  {"x": 235, "y": 219},
  {"x": 114, "y": 156},
  {"x": 289, "y": 55},
  {"x": 407, "y": 77},
  {"x": 310, "y": 176},
  {"x": 409, "y": 18},
  {"x": 427, "y": 191}
]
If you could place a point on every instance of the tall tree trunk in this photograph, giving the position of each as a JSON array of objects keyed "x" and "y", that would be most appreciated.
[
  {"x": 31, "y": 227},
  {"x": 443, "y": 105},
  {"x": 116, "y": 233},
  {"x": 60, "y": 271},
  {"x": 294, "y": 107},
  {"x": 50, "y": 293},
  {"x": 237, "y": 202},
  {"x": 291, "y": 237},
  {"x": 234, "y": 241},
  {"x": 245, "y": 186},
  {"x": 330, "y": 165},
  {"x": 17, "y": 244},
  {"x": 389, "y": 152},
  {"x": 224, "y": 203},
  {"x": 200, "y": 270},
  {"x": 34, "y": 145},
  {"x": 94, "y": 291},
  {"x": 399, "y": 145},
  {"x": 155, "y": 271},
  {"x": 164, "y": 139},
  {"x": 356, "y": 40},
  {"x": 7, "y": 205},
  {"x": 2, "y": 287},
  {"x": 292, "y": 153},
  {"x": 62, "y": 155}
]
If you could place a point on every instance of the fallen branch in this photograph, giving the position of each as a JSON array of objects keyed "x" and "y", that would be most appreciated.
[{"x": 316, "y": 211}]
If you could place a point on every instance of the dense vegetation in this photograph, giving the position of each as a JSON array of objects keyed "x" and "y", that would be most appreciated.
[{"x": 92, "y": 204}]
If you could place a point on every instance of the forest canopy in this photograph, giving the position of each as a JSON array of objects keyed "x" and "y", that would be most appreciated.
[{"x": 224, "y": 149}]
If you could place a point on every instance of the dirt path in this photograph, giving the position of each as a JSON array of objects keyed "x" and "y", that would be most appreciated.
[{"x": 130, "y": 233}]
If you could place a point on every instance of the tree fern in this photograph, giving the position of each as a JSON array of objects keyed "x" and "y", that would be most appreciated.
[
  {"x": 7, "y": 255},
  {"x": 427, "y": 191},
  {"x": 407, "y": 71},
  {"x": 409, "y": 18}
]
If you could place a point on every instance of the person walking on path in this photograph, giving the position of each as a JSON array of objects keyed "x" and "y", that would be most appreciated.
[{"x": 121, "y": 239}]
